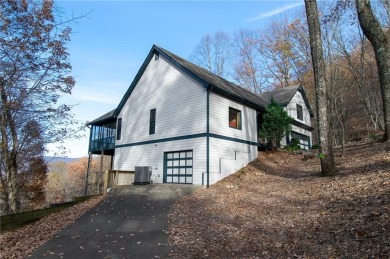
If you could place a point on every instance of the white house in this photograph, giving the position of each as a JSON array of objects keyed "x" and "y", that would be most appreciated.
[
  {"x": 188, "y": 124},
  {"x": 295, "y": 103}
]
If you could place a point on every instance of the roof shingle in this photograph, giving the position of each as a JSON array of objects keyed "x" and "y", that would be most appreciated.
[
  {"x": 218, "y": 84},
  {"x": 216, "y": 81}
]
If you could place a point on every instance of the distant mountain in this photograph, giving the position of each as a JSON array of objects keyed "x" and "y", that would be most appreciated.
[{"x": 54, "y": 159}]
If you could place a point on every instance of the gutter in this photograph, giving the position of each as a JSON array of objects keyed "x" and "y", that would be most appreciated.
[{"x": 302, "y": 125}]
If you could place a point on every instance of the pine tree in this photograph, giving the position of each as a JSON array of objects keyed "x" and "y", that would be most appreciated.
[{"x": 276, "y": 123}]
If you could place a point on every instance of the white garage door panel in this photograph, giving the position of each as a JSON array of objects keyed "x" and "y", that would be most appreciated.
[{"x": 178, "y": 167}]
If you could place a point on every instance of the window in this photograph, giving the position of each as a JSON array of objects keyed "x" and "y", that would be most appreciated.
[
  {"x": 119, "y": 129},
  {"x": 299, "y": 112},
  {"x": 234, "y": 118},
  {"x": 152, "y": 124}
]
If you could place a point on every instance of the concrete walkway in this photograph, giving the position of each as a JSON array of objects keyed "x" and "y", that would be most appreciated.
[{"x": 131, "y": 222}]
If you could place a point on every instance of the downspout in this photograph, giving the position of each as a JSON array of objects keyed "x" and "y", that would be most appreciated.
[
  {"x": 257, "y": 123},
  {"x": 209, "y": 88}
]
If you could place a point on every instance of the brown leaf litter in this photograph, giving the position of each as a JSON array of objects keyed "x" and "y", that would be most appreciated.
[
  {"x": 277, "y": 207},
  {"x": 21, "y": 242},
  {"x": 280, "y": 207}
]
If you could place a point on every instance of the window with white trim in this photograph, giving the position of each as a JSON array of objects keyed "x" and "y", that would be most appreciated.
[{"x": 234, "y": 118}]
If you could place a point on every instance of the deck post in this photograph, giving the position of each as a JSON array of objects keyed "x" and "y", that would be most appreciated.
[
  {"x": 106, "y": 175},
  {"x": 87, "y": 173},
  {"x": 99, "y": 180}
]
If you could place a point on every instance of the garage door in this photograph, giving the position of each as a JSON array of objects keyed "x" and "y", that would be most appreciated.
[
  {"x": 178, "y": 167},
  {"x": 304, "y": 140}
]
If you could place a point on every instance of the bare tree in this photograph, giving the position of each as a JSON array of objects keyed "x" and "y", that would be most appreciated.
[
  {"x": 248, "y": 71},
  {"x": 328, "y": 166},
  {"x": 214, "y": 53},
  {"x": 34, "y": 73},
  {"x": 362, "y": 68},
  {"x": 381, "y": 44},
  {"x": 276, "y": 50}
]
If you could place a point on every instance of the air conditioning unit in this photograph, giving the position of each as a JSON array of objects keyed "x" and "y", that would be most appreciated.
[{"x": 142, "y": 175}]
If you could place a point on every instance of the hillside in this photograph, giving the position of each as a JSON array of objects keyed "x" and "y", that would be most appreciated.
[
  {"x": 280, "y": 207},
  {"x": 55, "y": 159}
]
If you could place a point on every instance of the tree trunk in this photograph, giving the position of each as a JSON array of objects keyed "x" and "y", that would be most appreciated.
[
  {"x": 10, "y": 164},
  {"x": 328, "y": 167},
  {"x": 380, "y": 42},
  {"x": 342, "y": 139}
]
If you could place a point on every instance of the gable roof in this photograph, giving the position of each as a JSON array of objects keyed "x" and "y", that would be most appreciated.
[
  {"x": 213, "y": 82},
  {"x": 210, "y": 80},
  {"x": 284, "y": 95},
  {"x": 281, "y": 95}
]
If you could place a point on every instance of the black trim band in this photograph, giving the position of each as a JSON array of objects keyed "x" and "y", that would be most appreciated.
[
  {"x": 200, "y": 135},
  {"x": 302, "y": 125},
  {"x": 212, "y": 135}
]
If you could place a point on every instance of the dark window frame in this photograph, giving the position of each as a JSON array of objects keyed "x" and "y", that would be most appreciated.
[
  {"x": 152, "y": 122},
  {"x": 119, "y": 129},
  {"x": 238, "y": 117},
  {"x": 302, "y": 137},
  {"x": 183, "y": 170},
  {"x": 299, "y": 112}
]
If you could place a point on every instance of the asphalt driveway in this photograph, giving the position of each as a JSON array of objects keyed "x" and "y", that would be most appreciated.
[{"x": 131, "y": 222}]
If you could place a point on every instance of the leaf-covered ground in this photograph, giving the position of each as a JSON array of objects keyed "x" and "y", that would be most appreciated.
[
  {"x": 21, "y": 242},
  {"x": 280, "y": 207}
]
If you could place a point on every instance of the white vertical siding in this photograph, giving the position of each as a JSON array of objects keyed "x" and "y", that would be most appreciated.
[
  {"x": 180, "y": 103},
  {"x": 227, "y": 157},
  {"x": 126, "y": 158},
  {"x": 219, "y": 119},
  {"x": 292, "y": 108},
  {"x": 292, "y": 112},
  {"x": 179, "y": 100}
]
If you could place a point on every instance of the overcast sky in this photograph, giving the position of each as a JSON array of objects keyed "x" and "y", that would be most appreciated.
[{"x": 109, "y": 46}]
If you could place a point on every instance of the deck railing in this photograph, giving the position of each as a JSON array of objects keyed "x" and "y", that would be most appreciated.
[{"x": 102, "y": 144}]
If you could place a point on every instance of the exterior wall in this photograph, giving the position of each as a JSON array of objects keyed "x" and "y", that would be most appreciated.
[
  {"x": 180, "y": 103},
  {"x": 219, "y": 119},
  {"x": 179, "y": 100},
  {"x": 292, "y": 112},
  {"x": 126, "y": 158},
  {"x": 292, "y": 108},
  {"x": 304, "y": 144},
  {"x": 228, "y": 156}
]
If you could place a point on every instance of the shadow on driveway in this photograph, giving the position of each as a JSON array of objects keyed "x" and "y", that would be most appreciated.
[{"x": 130, "y": 222}]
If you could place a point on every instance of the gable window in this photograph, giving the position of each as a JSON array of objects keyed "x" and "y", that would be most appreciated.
[
  {"x": 119, "y": 129},
  {"x": 299, "y": 112},
  {"x": 234, "y": 118},
  {"x": 152, "y": 124}
]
